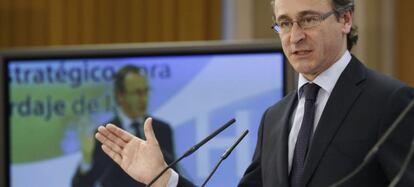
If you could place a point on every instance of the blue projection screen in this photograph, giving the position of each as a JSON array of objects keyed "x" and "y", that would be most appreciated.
[{"x": 56, "y": 105}]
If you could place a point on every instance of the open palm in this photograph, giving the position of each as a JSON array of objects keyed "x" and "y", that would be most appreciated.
[{"x": 141, "y": 159}]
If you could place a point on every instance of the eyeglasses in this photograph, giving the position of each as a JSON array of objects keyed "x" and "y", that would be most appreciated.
[
  {"x": 138, "y": 92},
  {"x": 305, "y": 22}
]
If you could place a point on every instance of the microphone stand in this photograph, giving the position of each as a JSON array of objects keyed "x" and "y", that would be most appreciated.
[
  {"x": 375, "y": 148},
  {"x": 225, "y": 155},
  {"x": 404, "y": 166}
]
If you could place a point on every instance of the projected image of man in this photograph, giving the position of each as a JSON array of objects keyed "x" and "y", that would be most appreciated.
[{"x": 131, "y": 91}]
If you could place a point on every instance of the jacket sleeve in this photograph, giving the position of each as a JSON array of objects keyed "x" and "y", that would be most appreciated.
[
  {"x": 99, "y": 163},
  {"x": 393, "y": 152}
]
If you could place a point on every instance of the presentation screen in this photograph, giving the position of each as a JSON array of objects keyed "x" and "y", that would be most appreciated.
[{"x": 56, "y": 103}]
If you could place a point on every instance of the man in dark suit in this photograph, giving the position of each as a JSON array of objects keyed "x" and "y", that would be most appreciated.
[
  {"x": 322, "y": 131},
  {"x": 131, "y": 94}
]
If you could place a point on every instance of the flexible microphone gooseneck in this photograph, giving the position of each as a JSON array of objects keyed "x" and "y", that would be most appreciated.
[
  {"x": 404, "y": 166},
  {"x": 375, "y": 148},
  {"x": 225, "y": 155},
  {"x": 193, "y": 149}
]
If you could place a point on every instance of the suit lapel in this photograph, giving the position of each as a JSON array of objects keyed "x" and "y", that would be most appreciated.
[
  {"x": 280, "y": 138},
  {"x": 339, "y": 104}
]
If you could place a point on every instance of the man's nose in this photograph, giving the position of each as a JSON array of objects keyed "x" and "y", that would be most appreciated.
[{"x": 296, "y": 33}]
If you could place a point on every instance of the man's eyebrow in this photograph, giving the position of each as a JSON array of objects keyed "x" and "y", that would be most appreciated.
[
  {"x": 308, "y": 12},
  {"x": 300, "y": 14},
  {"x": 283, "y": 17}
]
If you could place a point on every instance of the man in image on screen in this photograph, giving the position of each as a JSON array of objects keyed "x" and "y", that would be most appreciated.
[
  {"x": 131, "y": 92},
  {"x": 317, "y": 134}
]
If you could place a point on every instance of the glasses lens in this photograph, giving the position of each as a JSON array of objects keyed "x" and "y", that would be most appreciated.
[
  {"x": 276, "y": 28},
  {"x": 310, "y": 21}
]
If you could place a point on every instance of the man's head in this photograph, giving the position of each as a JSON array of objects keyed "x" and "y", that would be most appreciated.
[
  {"x": 131, "y": 91},
  {"x": 314, "y": 33}
]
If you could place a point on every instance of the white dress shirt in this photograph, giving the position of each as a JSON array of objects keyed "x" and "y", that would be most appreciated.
[{"x": 326, "y": 81}]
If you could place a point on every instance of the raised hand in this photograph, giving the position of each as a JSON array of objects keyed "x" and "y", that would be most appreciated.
[{"x": 141, "y": 159}]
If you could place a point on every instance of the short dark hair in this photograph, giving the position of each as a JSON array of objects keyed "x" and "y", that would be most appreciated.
[
  {"x": 119, "y": 77},
  {"x": 352, "y": 36},
  {"x": 347, "y": 5}
]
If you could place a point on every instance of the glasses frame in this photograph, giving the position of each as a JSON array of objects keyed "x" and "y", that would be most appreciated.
[{"x": 276, "y": 27}]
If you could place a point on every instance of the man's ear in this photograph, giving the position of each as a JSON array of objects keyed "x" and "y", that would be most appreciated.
[{"x": 347, "y": 18}]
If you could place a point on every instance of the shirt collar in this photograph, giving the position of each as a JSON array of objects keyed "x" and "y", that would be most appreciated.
[
  {"x": 125, "y": 120},
  {"x": 328, "y": 78}
]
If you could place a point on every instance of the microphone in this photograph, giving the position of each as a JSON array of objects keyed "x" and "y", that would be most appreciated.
[
  {"x": 193, "y": 149},
  {"x": 225, "y": 155},
  {"x": 376, "y": 147},
  {"x": 407, "y": 159}
]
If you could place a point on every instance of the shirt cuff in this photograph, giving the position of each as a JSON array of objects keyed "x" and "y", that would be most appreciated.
[{"x": 173, "y": 181}]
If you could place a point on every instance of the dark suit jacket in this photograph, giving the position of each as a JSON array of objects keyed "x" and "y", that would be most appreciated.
[
  {"x": 109, "y": 174},
  {"x": 361, "y": 107}
]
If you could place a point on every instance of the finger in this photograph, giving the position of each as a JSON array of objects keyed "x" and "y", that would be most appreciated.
[
  {"x": 108, "y": 142},
  {"x": 124, "y": 135},
  {"x": 149, "y": 132},
  {"x": 111, "y": 136},
  {"x": 114, "y": 155}
]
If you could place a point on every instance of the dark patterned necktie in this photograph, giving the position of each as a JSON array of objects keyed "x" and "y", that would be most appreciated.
[
  {"x": 135, "y": 126},
  {"x": 305, "y": 134}
]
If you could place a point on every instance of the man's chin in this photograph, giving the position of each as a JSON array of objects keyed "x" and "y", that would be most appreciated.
[
  {"x": 136, "y": 115},
  {"x": 304, "y": 67}
]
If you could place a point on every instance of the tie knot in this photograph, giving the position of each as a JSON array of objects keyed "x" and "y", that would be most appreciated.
[{"x": 311, "y": 91}]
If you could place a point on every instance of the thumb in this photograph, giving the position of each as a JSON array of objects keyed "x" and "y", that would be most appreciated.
[{"x": 149, "y": 132}]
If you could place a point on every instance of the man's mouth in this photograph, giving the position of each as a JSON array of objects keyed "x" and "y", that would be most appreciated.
[{"x": 301, "y": 52}]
